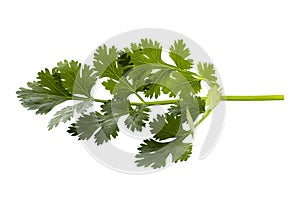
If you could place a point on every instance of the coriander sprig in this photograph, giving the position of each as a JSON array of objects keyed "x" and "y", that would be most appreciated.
[{"x": 138, "y": 70}]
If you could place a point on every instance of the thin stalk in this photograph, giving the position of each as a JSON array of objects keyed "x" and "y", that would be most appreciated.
[
  {"x": 140, "y": 98},
  {"x": 253, "y": 98},
  {"x": 132, "y": 89},
  {"x": 202, "y": 119},
  {"x": 173, "y": 101}
]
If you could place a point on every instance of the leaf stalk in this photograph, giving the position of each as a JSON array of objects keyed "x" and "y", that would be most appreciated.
[{"x": 174, "y": 101}]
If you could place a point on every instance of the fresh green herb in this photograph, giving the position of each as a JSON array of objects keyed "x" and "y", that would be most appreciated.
[{"x": 140, "y": 71}]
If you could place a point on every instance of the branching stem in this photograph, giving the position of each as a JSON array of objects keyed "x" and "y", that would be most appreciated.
[{"x": 224, "y": 98}]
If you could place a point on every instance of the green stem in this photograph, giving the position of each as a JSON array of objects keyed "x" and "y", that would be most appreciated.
[
  {"x": 206, "y": 114},
  {"x": 132, "y": 89},
  {"x": 253, "y": 98},
  {"x": 140, "y": 98},
  {"x": 242, "y": 98},
  {"x": 173, "y": 101}
]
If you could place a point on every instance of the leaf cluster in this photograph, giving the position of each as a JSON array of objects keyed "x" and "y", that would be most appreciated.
[{"x": 140, "y": 71}]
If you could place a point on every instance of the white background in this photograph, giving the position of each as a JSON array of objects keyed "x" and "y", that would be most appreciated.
[{"x": 255, "y": 46}]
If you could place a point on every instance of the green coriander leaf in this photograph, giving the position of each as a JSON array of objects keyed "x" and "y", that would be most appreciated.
[
  {"x": 175, "y": 83},
  {"x": 63, "y": 115},
  {"x": 147, "y": 51},
  {"x": 161, "y": 75},
  {"x": 67, "y": 113},
  {"x": 45, "y": 94},
  {"x": 179, "y": 54},
  {"x": 152, "y": 90},
  {"x": 195, "y": 84},
  {"x": 181, "y": 86},
  {"x": 196, "y": 107},
  {"x": 139, "y": 75},
  {"x": 124, "y": 60},
  {"x": 120, "y": 88},
  {"x": 124, "y": 89},
  {"x": 150, "y": 79},
  {"x": 86, "y": 125},
  {"x": 152, "y": 71},
  {"x": 109, "y": 85},
  {"x": 166, "y": 90},
  {"x": 102, "y": 127},
  {"x": 110, "y": 63},
  {"x": 108, "y": 129},
  {"x": 208, "y": 72},
  {"x": 116, "y": 107},
  {"x": 165, "y": 127},
  {"x": 214, "y": 96},
  {"x": 159, "y": 78},
  {"x": 185, "y": 156},
  {"x": 137, "y": 118},
  {"x": 154, "y": 154},
  {"x": 52, "y": 82},
  {"x": 77, "y": 79},
  {"x": 105, "y": 63},
  {"x": 68, "y": 73},
  {"x": 155, "y": 90},
  {"x": 84, "y": 82},
  {"x": 53, "y": 88},
  {"x": 40, "y": 99}
]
